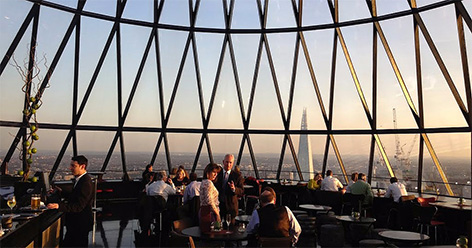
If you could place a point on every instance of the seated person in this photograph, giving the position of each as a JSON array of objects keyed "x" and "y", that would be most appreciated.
[
  {"x": 272, "y": 221},
  {"x": 331, "y": 183},
  {"x": 354, "y": 178},
  {"x": 315, "y": 183},
  {"x": 160, "y": 187},
  {"x": 192, "y": 189},
  {"x": 395, "y": 190},
  {"x": 361, "y": 187},
  {"x": 180, "y": 178}
]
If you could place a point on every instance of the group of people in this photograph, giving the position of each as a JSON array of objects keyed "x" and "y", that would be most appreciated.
[
  {"x": 358, "y": 186},
  {"x": 218, "y": 192}
]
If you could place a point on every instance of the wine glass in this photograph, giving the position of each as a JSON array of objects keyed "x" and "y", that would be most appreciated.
[
  {"x": 11, "y": 202},
  {"x": 228, "y": 220}
]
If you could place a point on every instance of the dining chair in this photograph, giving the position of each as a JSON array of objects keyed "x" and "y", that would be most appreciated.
[
  {"x": 425, "y": 218},
  {"x": 179, "y": 225},
  {"x": 424, "y": 201},
  {"x": 180, "y": 240},
  {"x": 275, "y": 242}
]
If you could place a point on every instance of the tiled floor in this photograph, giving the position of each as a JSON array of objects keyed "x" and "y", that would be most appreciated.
[{"x": 114, "y": 233}]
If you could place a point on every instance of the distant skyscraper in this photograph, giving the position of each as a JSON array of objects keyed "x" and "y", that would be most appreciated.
[{"x": 305, "y": 157}]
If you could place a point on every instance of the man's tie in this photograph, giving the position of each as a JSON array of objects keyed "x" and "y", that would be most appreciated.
[{"x": 225, "y": 179}]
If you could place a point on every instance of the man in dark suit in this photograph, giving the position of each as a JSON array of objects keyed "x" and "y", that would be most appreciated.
[
  {"x": 230, "y": 187},
  {"x": 78, "y": 205}
]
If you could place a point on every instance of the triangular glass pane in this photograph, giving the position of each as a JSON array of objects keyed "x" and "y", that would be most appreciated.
[
  {"x": 305, "y": 99},
  {"x": 210, "y": 15},
  {"x": 182, "y": 149},
  {"x": 101, "y": 7},
  {"x": 282, "y": 48},
  {"x": 440, "y": 107},
  {"x": 267, "y": 151},
  {"x": 186, "y": 99},
  {"x": 333, "y": 164},
  {"x": 246, "y": 165},
  {"x": 145, "y": 107},
  {"x": 171, "y": 49},
  {"x": 380, "y": 174},
  {"x": 68, "y": 3},
  {"x": 320, "y": 47},
  {"x": 102, "y": 105},
  {"x": 405, "y": 161},
  {"x": 13, "y": 13},
  {"x": 316, "y": 12},
  {"x": 245, "y": 15},
  {"x": 421, "y": 3},
  {"x": 266, "y": 112},
  {"x": 133, "y": 43},
  {"x": 348, "y": 110},
  {"x": 355, "y": 150},
  {"x": 453, "y": 151},
  {"x": 139, "y": 10},
  {"x": 208, "y": 49},
  {"x": 11, "y": 93},
  {"x": 203, "y": 160},
  {"x": 56, "y": 109},
  {"x": 94, "y": 145},
  {"x": 289, "y": 170},
  {"x": 114, "y": 168},
  {"x": 245, "y": 49},
  {"x": 280, "y": 14},
  {"x": 92, "y": 42},
  {"x": 8, "y": 134},
  {"x": 387, "y": 7},
  {"x": 443, "y": 31},
  {"x": 359, "y": 42},
  {"x": 161, "y": 160},
  {"x": 318, "y": 143},
  {"x": 139, "y": 149},
  {"x": 390, "y": 97},
  {"x": 222, "y": 144},
  {"x": 175, "y": 13},
  {"x": 226, "y": 105},
  {"x": 353, "y": 10}
]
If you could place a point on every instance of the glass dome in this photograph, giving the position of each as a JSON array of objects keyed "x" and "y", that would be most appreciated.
[{"x": 289, "y": 87}]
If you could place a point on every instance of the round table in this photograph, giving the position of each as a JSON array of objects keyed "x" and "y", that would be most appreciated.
[
  {"x": 347, "y": 220},
  {"x": 403, "y": 237},
  {"x": 224, "y": 235},
  {"x": 350, "y": 219},
  {"x": 314, "y": 208}
]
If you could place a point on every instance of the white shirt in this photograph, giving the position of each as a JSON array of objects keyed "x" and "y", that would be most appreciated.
[
  {"x": 331, "y": 183},
  {"x": 161, "y": 188},
  {"x": 295, "y": 228},
  {"x": 191, "y": 190},
  {"x": 396, "y": 190}
]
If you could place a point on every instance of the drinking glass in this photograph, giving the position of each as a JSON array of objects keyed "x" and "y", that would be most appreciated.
[
  {"x": 11, "y": 202},
  {"x": 228, "y": 220},
  {"x": 35, "y": 201}
]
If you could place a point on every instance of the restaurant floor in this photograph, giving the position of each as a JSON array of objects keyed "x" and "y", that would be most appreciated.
[{"x": 117, "y": 223}]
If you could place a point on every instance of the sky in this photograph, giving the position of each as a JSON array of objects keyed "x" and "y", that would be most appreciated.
[{"x": 440, "y": 108}]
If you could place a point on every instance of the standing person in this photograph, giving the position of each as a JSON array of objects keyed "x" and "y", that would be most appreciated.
[
  {"x": 230, "y": 185},
  {"x": 395, "y": 190},
  {"x": 78, "y": 208},
  {"x": 209, "y": 203},
  {"x": 331, "y": 183}
]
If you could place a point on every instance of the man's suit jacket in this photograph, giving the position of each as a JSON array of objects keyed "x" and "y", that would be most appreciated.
[
  {"x": 228, "y": 198},
  {"x": 78, "y": 207}
]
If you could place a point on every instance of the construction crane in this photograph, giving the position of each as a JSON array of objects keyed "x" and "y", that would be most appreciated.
[{"x": 402, "y": 157}]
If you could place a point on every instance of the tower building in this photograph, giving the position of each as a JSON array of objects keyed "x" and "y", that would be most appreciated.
[{"x": 305, "y": 157}]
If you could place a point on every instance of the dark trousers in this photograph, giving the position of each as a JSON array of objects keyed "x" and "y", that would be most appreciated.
[{"x": 75, "y": 238}]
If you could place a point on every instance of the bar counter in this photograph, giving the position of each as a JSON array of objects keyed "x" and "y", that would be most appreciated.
[{"x": 44, "y": 229}]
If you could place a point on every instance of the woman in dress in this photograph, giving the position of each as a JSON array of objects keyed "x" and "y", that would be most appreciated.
[{"x": 209, "y": 210}]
